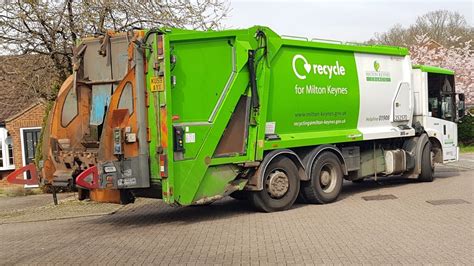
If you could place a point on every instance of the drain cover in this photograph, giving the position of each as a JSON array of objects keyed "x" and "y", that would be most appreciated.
[
  {"x": 447, "y": 202},
  {"x": 379, "y": 197}
]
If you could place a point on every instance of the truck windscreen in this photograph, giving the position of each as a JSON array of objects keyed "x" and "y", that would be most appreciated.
[{"x": 441, "y": 93}]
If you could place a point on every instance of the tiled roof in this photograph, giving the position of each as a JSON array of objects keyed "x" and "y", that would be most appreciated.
[{"x": 23, "y": 80}]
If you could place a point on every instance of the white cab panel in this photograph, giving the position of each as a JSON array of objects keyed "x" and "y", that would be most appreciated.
[{"x": 383, "y": 81}]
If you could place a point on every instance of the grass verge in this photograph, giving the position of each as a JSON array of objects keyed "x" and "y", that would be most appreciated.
[
  {"x": 16, "y": 191},
  {"x": 467, "y": 149}
]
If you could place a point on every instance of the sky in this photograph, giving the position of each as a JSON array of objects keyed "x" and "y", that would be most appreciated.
[{"x": 343, "y": 20}]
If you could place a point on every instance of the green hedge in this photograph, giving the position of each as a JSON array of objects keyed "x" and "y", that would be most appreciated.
[{"x": 466, "y": 130}]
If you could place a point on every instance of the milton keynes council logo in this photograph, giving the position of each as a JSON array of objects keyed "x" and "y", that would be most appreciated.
[
  {"x": 377, "y": 75},
  {"x": 323, "y": 70}
]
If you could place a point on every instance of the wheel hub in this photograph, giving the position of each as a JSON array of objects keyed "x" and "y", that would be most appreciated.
[
  {"x": 325, "y": 178},
  {"x": 277, "y": 184}
]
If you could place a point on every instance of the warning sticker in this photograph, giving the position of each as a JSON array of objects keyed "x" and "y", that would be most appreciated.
[
  {"x": 190, "y": 137},
  {"x": 127, "y": 181},
  {"x": 270, "y": 128}
]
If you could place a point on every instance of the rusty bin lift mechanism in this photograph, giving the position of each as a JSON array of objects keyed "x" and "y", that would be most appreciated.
[
  {"x": 31, "y": 180},
  {"x": 89, "y": 178},
  {"x": 13, "y": 178}
]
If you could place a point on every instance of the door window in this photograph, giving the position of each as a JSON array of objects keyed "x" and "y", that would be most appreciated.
[
  {"x": 447, "y": 107},
  {"x": 126, "y": 98},
  {"x": 70, "y": 108},
  {"x": 441, "y": 100}
]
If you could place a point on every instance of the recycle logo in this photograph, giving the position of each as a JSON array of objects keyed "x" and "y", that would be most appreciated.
[
  {"x": 306, "y": 65},
  {"x": 323, "y": 70}
]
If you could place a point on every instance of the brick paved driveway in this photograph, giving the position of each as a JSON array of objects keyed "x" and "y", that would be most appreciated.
[{"x": 406, "y": 229}]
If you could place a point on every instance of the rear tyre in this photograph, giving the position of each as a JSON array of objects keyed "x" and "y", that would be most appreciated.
[
  {"x": 126, "y": 197},
  {"x": 427, "y": 164},
  {"x": 281, "y": 186},
  {"x": 83, "y": 194},
  {"x": 326, "y": 179}
]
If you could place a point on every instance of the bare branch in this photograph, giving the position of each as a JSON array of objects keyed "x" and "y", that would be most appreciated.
[{"x": 52, "y": 28}]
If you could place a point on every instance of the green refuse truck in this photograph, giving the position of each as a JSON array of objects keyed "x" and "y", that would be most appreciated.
[{"x": 201, "y": 115}]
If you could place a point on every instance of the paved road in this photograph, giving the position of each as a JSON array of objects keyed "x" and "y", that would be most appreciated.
[
  {"x": 403, "y": 229},
  {"x": 16, "y": 203}
]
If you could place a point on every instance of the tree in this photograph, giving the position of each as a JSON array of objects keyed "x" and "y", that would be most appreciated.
[
  {"x": 52, "y": 28},
  {"x": 26, "y": 78},
  {"x": 458, "y": 57},
  {"x": 439, "y": 26},
  {"x": 440, "y": 38}
]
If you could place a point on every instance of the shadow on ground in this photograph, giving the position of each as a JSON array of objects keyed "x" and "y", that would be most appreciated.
[
  {"x": 153, "y": 212},
  {"x": 350, "y": 189}
]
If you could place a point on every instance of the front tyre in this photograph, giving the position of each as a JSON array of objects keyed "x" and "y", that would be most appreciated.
[
  {"x": 280, "y": 186},
  {"x": 326, "y": 179},
  {"x": 427, "y": 164}
]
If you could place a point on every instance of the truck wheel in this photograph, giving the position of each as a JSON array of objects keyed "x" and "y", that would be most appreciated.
[
  {"x": 427, "y": 164},
  {"x": 326, "y": 179},
  {"x": 83, "y": 194},
  {"x": 280, "y": 186}
]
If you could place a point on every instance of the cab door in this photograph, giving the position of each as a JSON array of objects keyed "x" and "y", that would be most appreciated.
[{"x": 442, "y": 113}]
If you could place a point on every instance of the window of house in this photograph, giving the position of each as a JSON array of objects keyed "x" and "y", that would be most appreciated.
[
  {"x": 70, "y": 108},
  {"x": 9, "y": 143},
  {"x": 6, "y": 150},
  {"x": 126, "y": 98},
  {"x": 1, "y": 154}
]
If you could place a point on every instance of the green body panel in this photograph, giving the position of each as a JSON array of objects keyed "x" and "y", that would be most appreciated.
[
  {"x": 313, "y": 138},
  {"x": 153, "y": 118},
  {"x": 371, "y": 49},
  {"x": 202, "y": 69},
  {"x": 211, "y": 75},
  {"x": 199, "y": 132},
  {"x": 327, "y": 105},
  {"x": 217, "y": 181},
  {"x": 433, "y": 69}
]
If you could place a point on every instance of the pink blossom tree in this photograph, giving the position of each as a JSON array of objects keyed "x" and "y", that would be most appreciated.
[{"x": 459, "y": 57}]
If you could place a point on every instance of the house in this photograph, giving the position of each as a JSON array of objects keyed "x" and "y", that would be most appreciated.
[{"x": 21, "y": 109}]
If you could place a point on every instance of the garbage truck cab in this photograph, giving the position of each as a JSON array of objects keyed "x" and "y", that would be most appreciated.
[{"x": 436, "y": 109}]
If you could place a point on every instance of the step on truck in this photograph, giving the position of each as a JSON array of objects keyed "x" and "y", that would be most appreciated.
[{"x": 254, "y": 115}]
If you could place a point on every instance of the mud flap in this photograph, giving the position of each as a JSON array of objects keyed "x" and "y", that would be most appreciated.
[
  {"x": 89, "y": 178},
  {"x": 33, "y": 176}
]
